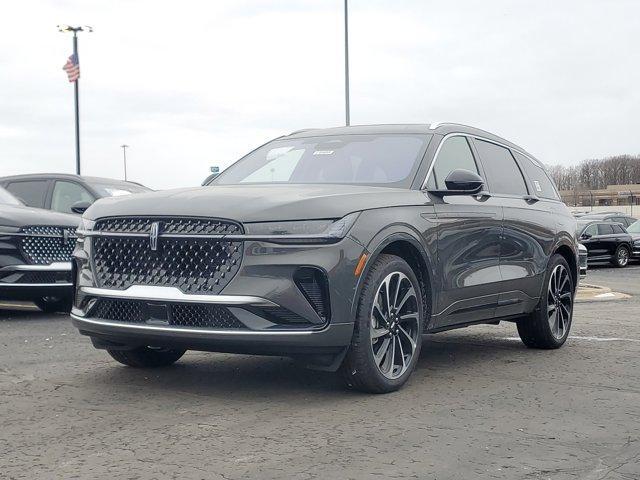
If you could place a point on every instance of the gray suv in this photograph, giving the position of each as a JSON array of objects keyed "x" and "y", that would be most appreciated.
[{"x": 339, "y": 247}]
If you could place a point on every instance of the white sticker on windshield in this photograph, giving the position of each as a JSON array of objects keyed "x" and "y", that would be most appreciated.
[
  {"x": 323, "y": 152},
  {"x": 537, "y": 185},
  {"x": 116, "y": 192}
]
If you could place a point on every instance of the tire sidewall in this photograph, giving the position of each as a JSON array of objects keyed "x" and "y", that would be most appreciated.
[
  {"x": 617, "y": 258},
  {"x": 363, "y": 319}
]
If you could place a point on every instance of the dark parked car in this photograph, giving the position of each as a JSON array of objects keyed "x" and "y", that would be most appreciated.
[
  {"x": 634, "y": 231},
  {"x": 35, "y": 254},
  {"x": 66, "y": 193},
  {"x": 615, "y": 217},
  {"x": 605, "y": 241},
  {"x": 340, "y": 247}
]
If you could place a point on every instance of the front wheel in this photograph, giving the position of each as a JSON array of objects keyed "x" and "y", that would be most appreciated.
[
  {"x": 147, "y": 357},
  {"x": 387, "y": 334},
  {"x": 549, "y": 324},
  {"x": 621, "y": 258}
]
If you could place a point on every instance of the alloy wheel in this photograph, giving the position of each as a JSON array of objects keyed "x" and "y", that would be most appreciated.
[
  {"x": 623, "y": 257},
  {"x": 559, "y": 302},
  {"x": 394, "y": 325}
]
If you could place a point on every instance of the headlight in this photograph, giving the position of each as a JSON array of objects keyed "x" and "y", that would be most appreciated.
[
  {"x": 636, "y": 243},
  {"x": 303, "y": 230},
  {"x": 4, "y": 229}
]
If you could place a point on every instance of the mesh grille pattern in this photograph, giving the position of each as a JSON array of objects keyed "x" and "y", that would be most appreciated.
[
  {"x": 46, "y": 277},
  {"x": 194, "y": 265},
  {"x": 187, "y": 226},
  {"x": 178, "y": 314},
  {"x": 47, "y": 244}
]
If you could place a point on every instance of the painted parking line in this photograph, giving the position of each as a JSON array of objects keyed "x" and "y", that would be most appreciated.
[{"x": 589, "y": 339}]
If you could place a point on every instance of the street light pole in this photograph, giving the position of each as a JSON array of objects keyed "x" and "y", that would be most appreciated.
[
  {"x": 75, "y": 30},
  {"x": 346, "y": 64},
  {"x": 124, "y": 157}
]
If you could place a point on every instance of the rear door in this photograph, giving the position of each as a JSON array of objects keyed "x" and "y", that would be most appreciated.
[
  {"x": 468, "y": 241},
  {"x": 528, "y": 227}
]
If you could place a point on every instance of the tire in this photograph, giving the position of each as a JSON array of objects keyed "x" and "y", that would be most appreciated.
[
  {"x": 387, "y": 340},
  {"x": 621, "y": 257},
  {"x": 53, "y": 304},
  {"x": 541, "y": 329},
  {"x": 147, "y": 357}
]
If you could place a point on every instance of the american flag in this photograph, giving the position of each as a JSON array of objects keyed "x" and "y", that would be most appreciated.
[{"x": 72, "y": 67}]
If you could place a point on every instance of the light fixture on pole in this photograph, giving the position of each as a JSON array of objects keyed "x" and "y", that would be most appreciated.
[
  {"x": 73, "y": 71},
  {"x": 124, "y": 158}
]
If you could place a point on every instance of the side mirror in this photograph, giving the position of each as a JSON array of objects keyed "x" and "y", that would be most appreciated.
[
  {"x": 460, "y": 182},
  {"x": 585, "y": 236},
  {"x": 80, "y": 207}
]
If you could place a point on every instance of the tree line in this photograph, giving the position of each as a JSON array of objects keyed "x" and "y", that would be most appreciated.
[{"x": 597, "y": 173}]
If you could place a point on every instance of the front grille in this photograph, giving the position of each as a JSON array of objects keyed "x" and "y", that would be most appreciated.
[
  {"x": 192, "y": 315},
  {"x": 45, "y": 277},
  {"x": 194, "y": 265},
  {"x": 43, "y": 245}
]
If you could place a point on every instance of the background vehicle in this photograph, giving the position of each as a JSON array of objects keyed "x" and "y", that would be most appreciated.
[
  {"x": 338, "y": 246},
  {"x": 35, "y": 254},
  {"x": 583, "y": 255},
  {"x": 66, "y": 193},
  {"x": 634, "y": 231},
  {"x": 616, "y": 217},
  {"x": 605, "y": 241}
]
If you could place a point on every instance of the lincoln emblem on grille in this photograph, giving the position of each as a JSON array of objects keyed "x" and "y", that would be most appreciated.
[
  {"x": 65, "y": 237},
  {"x": 153, "y": 236}
]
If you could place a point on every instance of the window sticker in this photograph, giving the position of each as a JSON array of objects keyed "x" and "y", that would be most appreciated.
[
  {"x": 323, "y": 152},
  {"x": 537, "y": 185}
]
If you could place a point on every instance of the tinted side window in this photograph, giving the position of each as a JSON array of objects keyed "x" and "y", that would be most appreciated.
[
  {"x": 66, "y": 194},
  {"x": 503, "y": 173},
  {"x": 542, "y": 185},
  {"x": 618, "y": 229},
  {"x": 591, "y": 230},
  {"x": 605, "y": 229},
  {"x": 455, "y": 153},
  {"x": 31, "y": 192}
]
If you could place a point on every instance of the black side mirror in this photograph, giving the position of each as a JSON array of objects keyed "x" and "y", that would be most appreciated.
[
  {"x": 585, "y": 236},
  {"x": 80, "y": 207},
  {"x": 460, "y": 182}
]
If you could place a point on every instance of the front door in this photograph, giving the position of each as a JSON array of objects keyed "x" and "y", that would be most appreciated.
[{"x": 469, "y": 229}]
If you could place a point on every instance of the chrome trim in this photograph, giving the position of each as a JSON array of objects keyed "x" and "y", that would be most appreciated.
[
  {"x": 195, "y": 331},
  {"x": 38, "y": 235},
  {"x": 52, "y": 267},
  {"x": 172, "y": 294},
  {"x": 321, "y": 238},
  {"x": 479, "y": 137}
]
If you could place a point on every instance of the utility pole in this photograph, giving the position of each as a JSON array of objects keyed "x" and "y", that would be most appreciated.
[
  {"x": 346, "y": 64},
  {"x": 75, "y": 30},
  {"x": 124, "y": 157}
]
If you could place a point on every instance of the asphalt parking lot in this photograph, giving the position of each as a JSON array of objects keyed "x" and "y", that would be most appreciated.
[{"x": 480, "y": 405}]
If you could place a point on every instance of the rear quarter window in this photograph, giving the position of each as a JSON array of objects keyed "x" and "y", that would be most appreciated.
[
  {"x": 542, "y": 185},
  {"x": 31, "y": 192}
]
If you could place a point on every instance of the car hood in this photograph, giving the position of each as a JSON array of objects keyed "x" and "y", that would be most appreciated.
[
  {"x": 635, "y": 236},
  {"x": 254, "y": 203},
  {"x": 20, "y": 216}
]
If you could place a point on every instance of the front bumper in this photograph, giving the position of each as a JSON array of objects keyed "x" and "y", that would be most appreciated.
[
  {"x": 28, "y": 282},
  {"x": 264, "y": 283}
]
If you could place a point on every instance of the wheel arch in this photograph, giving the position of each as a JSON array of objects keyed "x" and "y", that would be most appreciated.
[
  {"x": 405, "y": 244},
  {"x": 567, "y": 249}
]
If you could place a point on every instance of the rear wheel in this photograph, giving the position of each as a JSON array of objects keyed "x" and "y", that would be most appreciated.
[
  {"x": 387, "y": 335},
  {"x": 147, "y": 357},
  {"x": 548, "y": 326},
  {"x": 53, "y": 304},
  {"x": 621, "y": 258}
]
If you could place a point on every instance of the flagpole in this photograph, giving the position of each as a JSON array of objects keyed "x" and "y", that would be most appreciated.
[
  {"x": 76, "y": 85},
  {"x": 77, "y": 108}
]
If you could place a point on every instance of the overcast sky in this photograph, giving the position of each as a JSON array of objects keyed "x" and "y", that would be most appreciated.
[{"x": 191, "y": 84}]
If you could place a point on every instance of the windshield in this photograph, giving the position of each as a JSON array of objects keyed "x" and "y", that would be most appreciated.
[
  {"x": 7, "y": 199},
  {"x": 383, "y": 160},
  {"x": 634, "y": 227},
  {"x": 118, "y": 189}
]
